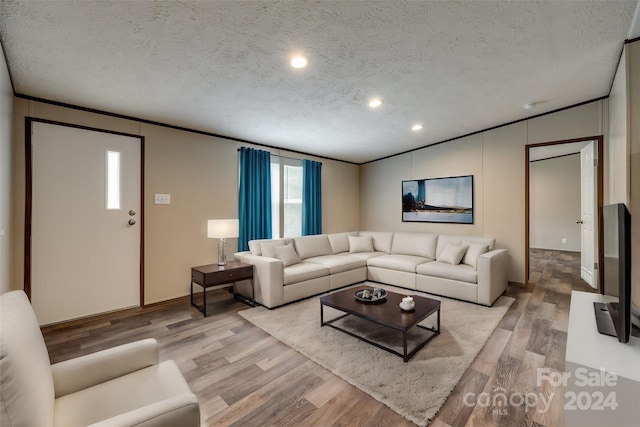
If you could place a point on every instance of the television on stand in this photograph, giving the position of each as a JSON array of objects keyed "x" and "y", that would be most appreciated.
[{"x": 615, "y": 318}]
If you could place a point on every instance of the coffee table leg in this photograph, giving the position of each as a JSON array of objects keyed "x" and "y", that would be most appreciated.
[
  {"x": 321, "y": 314},
  {"x": 404, "y": 343}
]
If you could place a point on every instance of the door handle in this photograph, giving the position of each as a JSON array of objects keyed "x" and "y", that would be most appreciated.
[
  {"x": 132, "y": 221},
  {"x": 579, "y": 221}
]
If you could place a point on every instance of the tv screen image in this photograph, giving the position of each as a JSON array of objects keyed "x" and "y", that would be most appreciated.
[{"x": 446, "y": 200}]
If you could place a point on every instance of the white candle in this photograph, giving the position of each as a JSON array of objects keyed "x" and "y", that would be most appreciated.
[{"x": 407, "y": 300}]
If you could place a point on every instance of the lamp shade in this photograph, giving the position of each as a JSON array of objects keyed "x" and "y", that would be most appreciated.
[{"x": 223, "y": 228}]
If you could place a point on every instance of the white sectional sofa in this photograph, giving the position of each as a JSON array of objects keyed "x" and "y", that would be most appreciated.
[{"x": 466, "y": 268}]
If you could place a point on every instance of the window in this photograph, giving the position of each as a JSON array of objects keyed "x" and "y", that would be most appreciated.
[
  {"x": 286, "y": 197},
  {"x": 113, "y": 180}
]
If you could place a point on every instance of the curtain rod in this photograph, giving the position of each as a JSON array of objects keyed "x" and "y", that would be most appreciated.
[{"x": 284, "y": 157}]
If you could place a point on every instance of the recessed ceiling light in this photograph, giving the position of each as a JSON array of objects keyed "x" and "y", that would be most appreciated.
[
  {"x": 299, "y": 61},
  {"x": 375, "y": 103},
  {"x": 416, "y": 127},
  {"x": 529, "y": 106}
]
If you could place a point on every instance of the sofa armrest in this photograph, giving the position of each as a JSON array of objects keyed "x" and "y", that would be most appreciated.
[
  {"x": 492, "y": 275},
  {"x": 268, "y": 277},
  {"x": 181, "y": 410},
  {"x": 86, "y": 371}
]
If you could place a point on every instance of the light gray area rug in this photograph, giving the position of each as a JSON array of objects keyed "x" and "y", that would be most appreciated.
[{"x": 416, "y": 389}]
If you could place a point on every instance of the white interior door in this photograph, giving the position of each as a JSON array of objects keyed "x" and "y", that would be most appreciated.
[
  {"x": 85, "y": 256},
  {"x": 588, "y": 170}
]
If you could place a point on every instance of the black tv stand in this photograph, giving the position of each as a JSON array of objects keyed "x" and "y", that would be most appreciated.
[{"x": 606, "y": 317}]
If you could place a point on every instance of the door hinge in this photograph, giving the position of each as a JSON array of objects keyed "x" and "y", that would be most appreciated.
[
  {"x": 595, "y": 265},
  {"x": 595, "y": 162}
]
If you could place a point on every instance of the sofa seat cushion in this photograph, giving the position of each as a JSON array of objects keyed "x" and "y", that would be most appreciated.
[
  {"x": 461, "y": 272},
  {"x": 367, "y": 255},
  {"x": 120, "y": 395},
  {"x": 406, "y": 263},
  {"x": 338, "y": 263},
  {"x": 304, "y": 271}
]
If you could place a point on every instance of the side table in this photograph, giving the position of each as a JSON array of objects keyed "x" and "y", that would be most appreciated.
[{"x": 214, "y": 276}]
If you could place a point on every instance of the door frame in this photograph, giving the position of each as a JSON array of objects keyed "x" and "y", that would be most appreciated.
[
  {"x": 599, "y": 197},
  {"x": 28, "y": 130}
]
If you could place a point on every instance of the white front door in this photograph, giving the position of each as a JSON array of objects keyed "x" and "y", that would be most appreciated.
[
  {"x": 85, "y": 256},
  {"x": 588, "y": 219}
]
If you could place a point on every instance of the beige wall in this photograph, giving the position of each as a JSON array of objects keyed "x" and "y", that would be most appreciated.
[
  {"x": 381, "y": 200},
  {"x": 634, "y": 163},
  {"x": 617, "y": 158},
  {"x": 554, "y": 190},
  {"x": 201, "y": 174},
  {"x": 199, "y": 171},
  {"x": 6, "y": 117},
  {"x": 624, "y": 150},
  {"x": 496, "y": 158}
]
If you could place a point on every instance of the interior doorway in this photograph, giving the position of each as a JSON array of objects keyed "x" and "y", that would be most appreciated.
[{"x": 564, "y": 196}]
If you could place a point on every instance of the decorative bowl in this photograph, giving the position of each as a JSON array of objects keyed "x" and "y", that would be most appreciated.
[{"x": 371, "y": 295}]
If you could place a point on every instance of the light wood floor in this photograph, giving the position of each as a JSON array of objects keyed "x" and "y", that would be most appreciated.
[{"x": 245, "y": 377}]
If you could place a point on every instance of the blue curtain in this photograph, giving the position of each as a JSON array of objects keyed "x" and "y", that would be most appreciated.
[
  {"x": 311, "y": 197},
  {"x": 254, "y": 200}
]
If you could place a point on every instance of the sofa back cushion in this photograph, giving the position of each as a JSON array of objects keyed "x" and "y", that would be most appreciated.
[
  {"x": 474, "y": 250},
  {"x": 310, "y": 246},
  {"x": 287, "y": 255},
  {"x": 268, "y": 248},
  {"x": 381, "y": 240},
  {"x": 444, "y": 240},
  {"x": 26, "y": 382},
  {"x": 360, "y": 244},
  {"x": 418, "y": 244},
  {"x": 255, "y": 246},
  {"x": 452, "y": 254},
  {"x": 340, "y": 241}
]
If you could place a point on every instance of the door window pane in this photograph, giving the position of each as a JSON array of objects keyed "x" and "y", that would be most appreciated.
[{"x": 113, "y": 180}]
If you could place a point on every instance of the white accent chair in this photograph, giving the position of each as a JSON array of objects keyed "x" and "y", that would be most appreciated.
[{"x": 120, "y": 386}]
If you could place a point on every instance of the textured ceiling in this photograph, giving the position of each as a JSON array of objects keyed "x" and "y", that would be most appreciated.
[{"x": 222, "y": 66}]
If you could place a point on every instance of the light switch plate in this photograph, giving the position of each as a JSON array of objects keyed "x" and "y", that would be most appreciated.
[{"x": 163, "y": 199}]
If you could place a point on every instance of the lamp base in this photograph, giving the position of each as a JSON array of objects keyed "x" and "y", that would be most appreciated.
[{"x": 222, "y": 252}]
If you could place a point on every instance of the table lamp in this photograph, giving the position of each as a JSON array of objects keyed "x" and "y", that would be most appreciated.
[{"x": 222, "y": 229}]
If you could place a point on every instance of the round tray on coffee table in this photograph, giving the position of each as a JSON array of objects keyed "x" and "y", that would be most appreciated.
[{"x": 375, "y": 295}]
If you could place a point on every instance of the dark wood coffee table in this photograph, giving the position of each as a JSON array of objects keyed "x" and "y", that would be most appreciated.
[{"x": 387, "y": 314}]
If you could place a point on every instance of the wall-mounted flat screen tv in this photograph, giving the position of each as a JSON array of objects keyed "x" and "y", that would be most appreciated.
[{"x": 446, "y": 200}]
